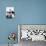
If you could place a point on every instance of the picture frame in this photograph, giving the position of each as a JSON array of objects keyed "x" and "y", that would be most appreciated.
[{"x": 10, "y": 12}]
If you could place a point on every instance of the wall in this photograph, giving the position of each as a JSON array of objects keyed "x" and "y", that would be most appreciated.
[
  {"x": 6, "y": 25},
  {"x": 31, "y": 11}
]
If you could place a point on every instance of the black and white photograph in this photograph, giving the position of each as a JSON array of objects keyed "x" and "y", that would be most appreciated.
[
  {"x": 31, "y": 34},
  {"x": 10, "y": 13}
]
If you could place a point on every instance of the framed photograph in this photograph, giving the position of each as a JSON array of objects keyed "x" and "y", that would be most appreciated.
[
  {"x": 10, "y": 13},
  {"x": 31, "y": 32}
]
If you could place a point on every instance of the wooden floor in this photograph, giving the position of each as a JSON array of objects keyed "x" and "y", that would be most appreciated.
[
  {"x": 7, "y": 45},
  {"x": 30, "y": 43}
]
